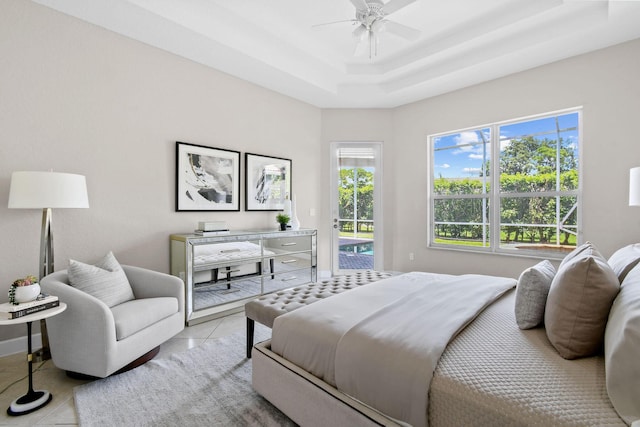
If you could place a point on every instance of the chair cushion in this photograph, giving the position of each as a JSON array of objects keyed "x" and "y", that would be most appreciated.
[
  {"x": 578, "y": 304},
  {"x": 135, "y": 315},
  {"x": 105, "y": 280},
  {"x": 531, "y": 294}
]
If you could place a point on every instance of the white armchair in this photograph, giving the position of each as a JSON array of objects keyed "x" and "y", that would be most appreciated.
[{"x": 92, "y": 339}]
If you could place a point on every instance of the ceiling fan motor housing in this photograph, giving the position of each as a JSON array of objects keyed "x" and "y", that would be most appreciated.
[{"x": 371, "y": 14}]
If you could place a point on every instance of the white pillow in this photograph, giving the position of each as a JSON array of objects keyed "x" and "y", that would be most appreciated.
[
  {"x": 622, "y": 349},
  {"x": 624, "y": 259},
  {"x": 105, "y": 280},
  {"x": 531, "y": 294}
]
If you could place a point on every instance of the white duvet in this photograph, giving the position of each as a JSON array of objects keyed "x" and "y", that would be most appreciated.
[{"x": 380, "y": 343}]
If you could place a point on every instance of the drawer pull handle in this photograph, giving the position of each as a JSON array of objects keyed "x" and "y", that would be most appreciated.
[
  {"x": 289, "y": 261},
  {"x": 289, "y": 244},
  {"x": 286, "y": 279},
  {"x": 226, "y": 251},
  {"x": 229, "y": 271}
]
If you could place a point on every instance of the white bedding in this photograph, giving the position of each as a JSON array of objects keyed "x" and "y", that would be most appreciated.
[
  {"x": 495, "y": 374},
  {"x": 415, "y": 314}
]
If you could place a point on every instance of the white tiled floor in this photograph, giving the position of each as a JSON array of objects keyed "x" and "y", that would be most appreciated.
[{"x": 61, "y": 410}]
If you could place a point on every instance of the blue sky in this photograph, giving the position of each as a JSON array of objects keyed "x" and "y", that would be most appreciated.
[{"x": 461, "y": 155}]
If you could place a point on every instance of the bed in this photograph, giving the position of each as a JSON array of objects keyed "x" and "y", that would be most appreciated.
[{"x": 368, "y": 357}]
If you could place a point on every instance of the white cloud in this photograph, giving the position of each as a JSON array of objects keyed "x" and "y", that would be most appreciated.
[
  {"x": 444, "y": 166},
  {"x": 463, "y": 139},
  {"x": 470, "y": 143}
]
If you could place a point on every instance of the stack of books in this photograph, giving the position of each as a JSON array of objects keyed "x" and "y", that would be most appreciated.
[
  {"x": 212, "y": 228},
  {"x": 11, "y": 311}
]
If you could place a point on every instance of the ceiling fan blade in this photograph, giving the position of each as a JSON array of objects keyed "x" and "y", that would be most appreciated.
[
  {"x": 359, "y": 4},
  {"x": 395, "y": 5},
  {"x": 401, "y": 30},
  {"x": 353, "y": 21}
]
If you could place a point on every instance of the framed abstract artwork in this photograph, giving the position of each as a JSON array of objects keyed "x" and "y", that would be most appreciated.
[
  {"x": 267, "y": 181},
  {"x": 207, "y": 178}
]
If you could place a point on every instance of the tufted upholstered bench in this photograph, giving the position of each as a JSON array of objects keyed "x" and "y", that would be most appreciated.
[{"x": 266, "y": 308}]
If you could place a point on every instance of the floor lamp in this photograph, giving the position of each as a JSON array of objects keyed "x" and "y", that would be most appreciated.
[
  {"x": 46, "y": 191},
  {"x": 634, "y": 187}
]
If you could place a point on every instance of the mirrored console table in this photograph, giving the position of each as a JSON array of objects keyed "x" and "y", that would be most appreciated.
[{"x": 223, "y": 272}]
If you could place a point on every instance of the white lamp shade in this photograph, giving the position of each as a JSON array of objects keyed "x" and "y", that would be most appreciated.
[
  {"x": 634, "y": 187},
  {"x": 40, "y": 190}
]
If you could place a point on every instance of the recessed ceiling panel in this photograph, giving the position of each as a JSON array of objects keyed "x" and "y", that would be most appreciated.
[{"x": 331, "y": 53}]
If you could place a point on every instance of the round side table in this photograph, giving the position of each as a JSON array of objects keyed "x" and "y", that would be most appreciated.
[{"x": 34, "y": 399}]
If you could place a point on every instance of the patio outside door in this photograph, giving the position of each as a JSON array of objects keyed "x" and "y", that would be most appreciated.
[{"x": 356, "y": 206}]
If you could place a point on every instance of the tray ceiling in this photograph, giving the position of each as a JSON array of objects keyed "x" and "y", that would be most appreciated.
[{"x": 276, "y": 44}]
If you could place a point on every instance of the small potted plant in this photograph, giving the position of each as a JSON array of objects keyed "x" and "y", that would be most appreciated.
[
  {"x": 283, "y": 220},
  {"x": 24, "y": 290}
]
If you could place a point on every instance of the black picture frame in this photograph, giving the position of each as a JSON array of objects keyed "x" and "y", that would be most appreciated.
[
  {"x": 267, "y": 182},
  {"x": 207, "y": 178}
]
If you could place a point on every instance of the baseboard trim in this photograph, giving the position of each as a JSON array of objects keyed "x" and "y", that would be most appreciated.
[
  {"x": 19, "y": 345},
  {"x": 324, "y": 274}
]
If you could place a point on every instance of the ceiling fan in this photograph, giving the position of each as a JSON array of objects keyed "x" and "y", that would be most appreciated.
[{"x": 371, "y": 18}]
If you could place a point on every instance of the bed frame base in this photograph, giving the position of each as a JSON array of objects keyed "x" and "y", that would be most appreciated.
[{"x": 305, "y": 399}]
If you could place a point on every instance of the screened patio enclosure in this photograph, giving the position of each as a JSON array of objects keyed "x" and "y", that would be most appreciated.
[{"x": 356, "y": 202}]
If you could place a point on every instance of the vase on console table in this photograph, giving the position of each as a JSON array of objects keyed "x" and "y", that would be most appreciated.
[
  {"x": 286, "y": 210},
  {"x": 295, "y": 223}
]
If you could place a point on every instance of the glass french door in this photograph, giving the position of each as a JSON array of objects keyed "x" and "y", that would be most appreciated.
[{"x": 356, "y": 206}]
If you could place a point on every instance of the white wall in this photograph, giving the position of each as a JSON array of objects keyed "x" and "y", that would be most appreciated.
[
  {"x": 373, "y": 125},
  {"x": 605, "y": 83},
  {"x": 77, "y": 98}
]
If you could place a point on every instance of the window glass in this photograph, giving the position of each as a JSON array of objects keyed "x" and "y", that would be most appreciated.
[
  {"x": 461, "y": 162},
  {"x": 536, "y": 198},
  {"x": 462, "y": 222}
]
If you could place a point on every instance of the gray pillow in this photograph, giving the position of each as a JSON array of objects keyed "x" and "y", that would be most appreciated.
[
  {"x": 578, "y": 304},
  {"x": 624, "y": 259},
  {"x": 586, "y": 246},
  {"x": 622, "y": 347},
  {"x": 531, "y": 294},
  {"x": 105, "y": 280}
]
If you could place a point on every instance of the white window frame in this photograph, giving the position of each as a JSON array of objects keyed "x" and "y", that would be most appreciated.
[{"x": 494, "y": 195}]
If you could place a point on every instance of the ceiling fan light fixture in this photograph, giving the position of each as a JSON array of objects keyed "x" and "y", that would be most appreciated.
[
  {"x": 378, "y": 26},
  {"x": 370, "y": 16}
]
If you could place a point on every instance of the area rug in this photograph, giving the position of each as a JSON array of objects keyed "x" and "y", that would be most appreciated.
[{"x": 209, "y": 385}]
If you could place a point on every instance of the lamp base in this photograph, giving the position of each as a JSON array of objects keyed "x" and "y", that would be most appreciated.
[{"x": 29, "y": 402}]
